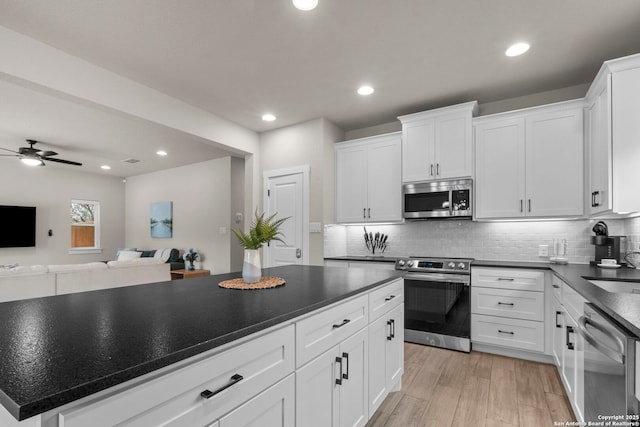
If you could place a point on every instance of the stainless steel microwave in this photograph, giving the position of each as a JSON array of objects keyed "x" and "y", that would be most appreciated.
[{"x": 440, "y": 199}]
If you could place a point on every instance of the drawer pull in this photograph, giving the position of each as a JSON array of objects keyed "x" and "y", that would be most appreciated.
[
  {"x": 208, "y": 394},
  {"x": 556, "y": 286},
  {"x": 346, "y": 357},
  {"x": 505, "y": 332},
  {"x": 344, "y": 322},
  {"x": 339, "y": 379},
  {"x": 506, "y": 279},
  {"x": 389, "y": 298},
  {"x": 505, "y": 303}
]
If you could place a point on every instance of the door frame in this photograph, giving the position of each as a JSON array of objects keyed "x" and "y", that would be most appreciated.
[{"x": 274, "y": 173}]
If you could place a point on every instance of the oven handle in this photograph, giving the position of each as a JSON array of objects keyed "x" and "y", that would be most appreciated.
[
  {"x": 618, "y": 356},
  {"x": 447, "y": 278}
]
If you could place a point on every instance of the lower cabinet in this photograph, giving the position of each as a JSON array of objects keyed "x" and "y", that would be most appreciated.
[
  {"x": 557, "y": 331},
  {"x": 386, "y": 337},
  {"x": 274, "y": 407},
  {"x": 332, "y": 389}
]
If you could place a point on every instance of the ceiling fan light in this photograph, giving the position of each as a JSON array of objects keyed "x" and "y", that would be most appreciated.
[{"x": 32, "y": 161}]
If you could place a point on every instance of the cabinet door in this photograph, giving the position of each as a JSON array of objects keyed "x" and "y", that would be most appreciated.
[
  {"x": 384, "y": 180},
  {"x": 500, "y": 173},
  {"x": 568, "y": 370},
  {"x": 354, "y": 407},
  {"x": 379, "y": 334},
  {"x": 554, "y": 164},
  {"x": 395, "y": 347},
  {"x": 599, "y": 141},
  {"x": 273, "y": 407},
  {"x": 317, "y": 397},
  {"x": 418, "y": 151},
  {"x": 453, "y": 146},
  {"x": 557, "y": 331},
  {"x": 351, "y": 183}
]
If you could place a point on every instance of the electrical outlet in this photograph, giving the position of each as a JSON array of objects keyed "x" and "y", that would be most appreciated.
[{"x": 543, "y": 250}]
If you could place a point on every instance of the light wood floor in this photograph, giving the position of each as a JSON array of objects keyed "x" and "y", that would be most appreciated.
[{"x": 442, "y": 388}]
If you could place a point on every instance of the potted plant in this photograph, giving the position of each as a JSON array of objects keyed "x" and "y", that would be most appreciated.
[
  {"x": 190, "y": 257},
  {"x": 261, "y": 231}
]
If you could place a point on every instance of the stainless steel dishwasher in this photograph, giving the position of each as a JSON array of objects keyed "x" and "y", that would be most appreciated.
[{"x": 609, "y": 368}]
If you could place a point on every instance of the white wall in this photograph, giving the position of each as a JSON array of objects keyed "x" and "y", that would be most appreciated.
[
  {"x": 309, "y": 143},
  {"x": 201, "y": 196},
  {"x": 50, "y": 189},
  {"x": 237, "y": 206}
]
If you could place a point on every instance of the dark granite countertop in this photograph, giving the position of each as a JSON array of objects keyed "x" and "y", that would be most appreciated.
[
  {"x": 624, "y": 308},
  {"x": 55, "y": 350},
  {"x": 370, "y": 258}
]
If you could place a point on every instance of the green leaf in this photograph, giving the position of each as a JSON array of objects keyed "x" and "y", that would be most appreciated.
[{"x": 261, "y": 231}]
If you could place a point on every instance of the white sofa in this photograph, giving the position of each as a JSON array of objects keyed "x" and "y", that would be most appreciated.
[{"x": 40, "y": 281}]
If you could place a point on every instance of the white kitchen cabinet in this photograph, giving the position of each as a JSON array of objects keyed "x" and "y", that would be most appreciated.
[
  {"x": 507, "y": 308},
  {"x": 331, "y": 390},
  {"x": 613, "y": 131},
  {"x": 274, "y": 407},
  {"x": 530, "y": 163},
  {"x": 368, "y": 179},
  {"x": 437, "y": 144},
  {"x": 386, "y": 336},
  {"x": 557, "y": 331}
]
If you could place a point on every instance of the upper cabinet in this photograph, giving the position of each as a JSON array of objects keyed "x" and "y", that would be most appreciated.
[
  {"x": 368, "y": 179},
  {"x": 437, "y": 144},
  {"x": 530, "y": 163},
  {"x": 613, "y": 138}
]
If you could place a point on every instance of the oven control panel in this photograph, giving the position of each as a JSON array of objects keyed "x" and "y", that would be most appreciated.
[{"x": 444, "y": 265}]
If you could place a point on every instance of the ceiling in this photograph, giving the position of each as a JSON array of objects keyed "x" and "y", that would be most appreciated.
[{"x": 241, "y": 58}]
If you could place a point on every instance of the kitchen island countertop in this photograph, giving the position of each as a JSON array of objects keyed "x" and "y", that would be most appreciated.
[{"x": 55, "y": 350}]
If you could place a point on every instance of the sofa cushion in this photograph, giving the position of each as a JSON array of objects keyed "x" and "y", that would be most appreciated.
[
  {"x": 168, "y": 255},
  {"x": 78, "y": 267},
  {"x": 125, "y": 255},
  {"x": 134, "y": 262},
  {"x": 124, "y": 249},
  {"x": 24, "y": 270}
]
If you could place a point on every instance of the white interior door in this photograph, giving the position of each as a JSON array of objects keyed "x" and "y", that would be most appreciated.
[{"x": 285, "y": 195}]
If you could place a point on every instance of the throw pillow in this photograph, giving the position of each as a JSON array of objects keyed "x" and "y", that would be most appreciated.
[
  {"x": 124, "y": 255},
  {"x": 148, "y": 254},
  {"x": 123, "y": 249}
]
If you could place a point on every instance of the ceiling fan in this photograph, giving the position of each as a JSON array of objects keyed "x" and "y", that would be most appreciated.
[{"x": 34, "y": 157}]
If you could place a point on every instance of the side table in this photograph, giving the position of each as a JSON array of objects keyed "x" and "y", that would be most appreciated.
[{"x": 187, "y": 274}]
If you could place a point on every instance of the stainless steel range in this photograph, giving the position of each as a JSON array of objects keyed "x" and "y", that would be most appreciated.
[{"x": 437, "y": 301}]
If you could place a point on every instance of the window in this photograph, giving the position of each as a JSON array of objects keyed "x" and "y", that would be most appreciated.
[{"x": 85, "y": 226}]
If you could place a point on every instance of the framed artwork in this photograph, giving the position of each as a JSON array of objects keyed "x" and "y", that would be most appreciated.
[{"x": 162, "y": 220}]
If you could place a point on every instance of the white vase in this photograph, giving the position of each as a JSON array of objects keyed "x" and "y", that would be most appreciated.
[{"x": 251, "y": 268}]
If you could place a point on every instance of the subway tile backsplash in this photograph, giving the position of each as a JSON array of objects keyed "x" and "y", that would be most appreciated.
[{"x": 509, "y": 241}]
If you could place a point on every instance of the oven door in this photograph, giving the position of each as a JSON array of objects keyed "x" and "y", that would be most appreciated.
[{"x": 438, "y": 310}]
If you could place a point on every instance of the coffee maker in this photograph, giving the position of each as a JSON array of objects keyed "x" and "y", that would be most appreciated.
[{"x": 608, "y": 247}]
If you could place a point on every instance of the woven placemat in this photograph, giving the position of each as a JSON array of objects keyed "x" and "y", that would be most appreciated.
[{"x": 264, "y": 283}]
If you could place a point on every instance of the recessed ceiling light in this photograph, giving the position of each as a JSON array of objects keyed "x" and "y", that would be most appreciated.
[
  {"x": 517, "y": 49},
  {"x": 105, "y": 167},
  {"x": 365, "y": 90},
  {"x": 305, "y": 4},
  {"x": 268, "y": 117},
  {"x": 161, "y": 153}
]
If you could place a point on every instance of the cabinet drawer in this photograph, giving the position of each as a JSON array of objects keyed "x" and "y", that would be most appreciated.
[
  {"x": 515, "y": 333},
  {"x": 518, "y": 279},
  {"x": 385, "y": 298},
  {"x": 507, "y": 303},
  {"x": 556, "y": 287},
  {"x": 572, "y": 301},
  {"x": 174, "y": 398},
  {"x": 320, "y": 332}
]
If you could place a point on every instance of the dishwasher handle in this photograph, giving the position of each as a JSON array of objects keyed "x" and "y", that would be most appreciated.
[{"x": 617, "y": 355}]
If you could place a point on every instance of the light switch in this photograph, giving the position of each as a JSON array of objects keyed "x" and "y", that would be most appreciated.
[
  {"x": 222, "y": 231},
  {"x": 238, "y": 218},
  {"x": 543, "y": 250},
  {"x": 315, "y": 227}
]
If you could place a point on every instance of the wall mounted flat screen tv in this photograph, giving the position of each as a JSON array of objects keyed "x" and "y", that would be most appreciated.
[{"x": 18, "y": 226}]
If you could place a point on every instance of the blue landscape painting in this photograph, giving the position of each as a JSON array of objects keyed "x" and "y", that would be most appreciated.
[{"x": 162, "y": 219}]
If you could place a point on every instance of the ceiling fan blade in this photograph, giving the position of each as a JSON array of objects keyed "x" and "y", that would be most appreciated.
[
  {"x": 66, "y": 162},
  {"x": 46, "y": 153},
  {"x": 6, "y": 149},
  {"x": 27, "y": 151},
  {"x": 9, "y": 155}
]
